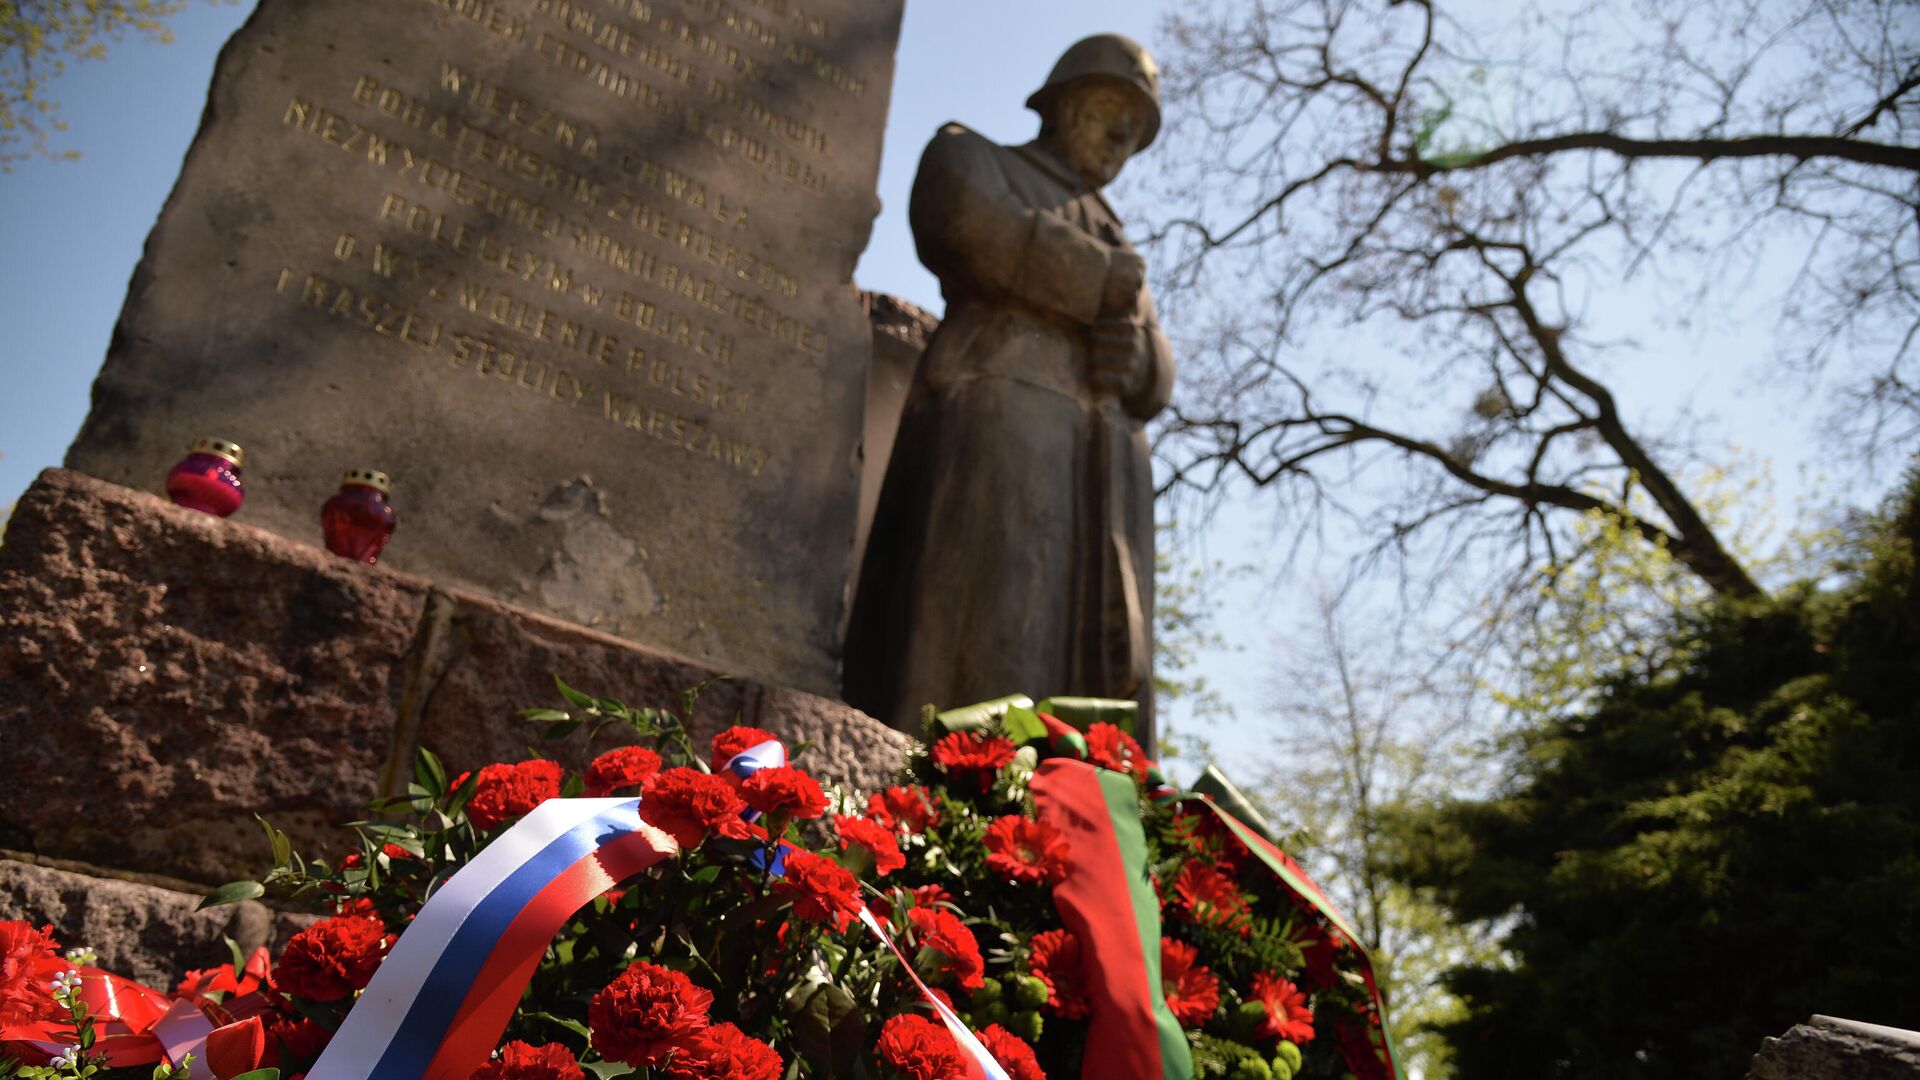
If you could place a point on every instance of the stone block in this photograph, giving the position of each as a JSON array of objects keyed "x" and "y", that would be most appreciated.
[
  {"x": 491, "y": 660},
  {"x": 145, "y": 932},
  {"x": 165, "y": 675}
]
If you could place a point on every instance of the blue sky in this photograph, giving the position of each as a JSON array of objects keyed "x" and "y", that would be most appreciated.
[{"x": 71, "y": 233}]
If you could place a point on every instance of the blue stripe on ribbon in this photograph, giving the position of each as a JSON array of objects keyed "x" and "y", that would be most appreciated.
[{"x": 446, "y": 985}]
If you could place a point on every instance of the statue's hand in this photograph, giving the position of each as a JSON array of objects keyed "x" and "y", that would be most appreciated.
[
  {"x": 1126, "y": 275},
  {"x": 1115, "y": 361}
]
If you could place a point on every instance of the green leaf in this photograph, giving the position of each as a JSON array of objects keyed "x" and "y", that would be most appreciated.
[
  {"x": 1023, "y": 725},
  {"x": 259, "y": 1074},
  {"x": 428, "y": 769},
  {"x": 232, "y": 893},
  {"x": 1084, "y": 712},
  {"x": 239, "y": 957},
  {"x": 607, "y": 1070},
  {"x": 546, "y": 716},
  {"x": 282, "y": 847},
  {"x": 574, "y": 1026},
  {"x": 983, "y": 714},
  {"x": 574, "y": 697},
  {"x": 828, "y": 1027}
]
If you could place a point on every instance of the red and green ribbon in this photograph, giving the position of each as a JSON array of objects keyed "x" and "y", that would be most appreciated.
[{"x": 1108, "y": 902}]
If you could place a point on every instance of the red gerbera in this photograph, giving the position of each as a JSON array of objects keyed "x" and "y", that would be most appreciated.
[
  {"x": 1191, "y": 990},
  {"x": 947, "y": 947},
  {"x": 724, "y": 1052},
  {"x": 735, "y": 739},
  {"x": 920, "y": 1049},
  {"x": 874, "y": 839},
  {"x": 508, "y": 791},
  {"x": 822, "y": 890},
  {"x": 965, "y": 754},
  {"x": 786, "y": 791},
  {"x": 1012, "y": 1052},
  {"x": 331, "y": 959},
  {"x": 1210, "y": 898},
  {"x": 909, "y": 809},
  {"x": 1057, "y": 960},
  {"x": 524, "y": 1061},
  {"x": 620, "y": 767},
  {"x": 28, "y": 963},
  {"x": 1111, "y": 748},
  {"x": 645, "y": 1013},
  {"x": 1287, "y": 1014},
  {"x": 1020, "y": 849},
  {"x": 689, "y": 804}
]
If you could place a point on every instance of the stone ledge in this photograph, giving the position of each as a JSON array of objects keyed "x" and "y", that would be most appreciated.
[
  {"x": 1830, "y": 1048},
  {"x": 149, "y": 934},
  {"x": 164, "y": 675}
]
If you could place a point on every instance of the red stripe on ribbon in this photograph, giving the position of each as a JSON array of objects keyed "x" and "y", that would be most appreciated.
[{"x": 496, "y": 991}]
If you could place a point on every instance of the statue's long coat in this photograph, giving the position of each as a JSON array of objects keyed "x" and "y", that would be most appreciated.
[{"x": 1013, "y": 546}]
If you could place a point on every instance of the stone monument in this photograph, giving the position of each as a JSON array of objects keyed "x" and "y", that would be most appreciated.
[
  {"x": 577, "y": 275},
  {"x": 1012, "y": 550}
]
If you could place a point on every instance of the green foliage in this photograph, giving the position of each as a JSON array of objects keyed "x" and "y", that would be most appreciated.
[{"x": 1721, "y": 839}]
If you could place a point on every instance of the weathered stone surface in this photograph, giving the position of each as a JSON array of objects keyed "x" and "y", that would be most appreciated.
[
  {"x": 1830, "y": 1048},
  {"x": 576, "y": 275},
  {"x": 149, "y": 934},
  {"x": 900, "y": 334},
  {"x": 497, "y": 661},
  {"x": 165, "y": 674}
]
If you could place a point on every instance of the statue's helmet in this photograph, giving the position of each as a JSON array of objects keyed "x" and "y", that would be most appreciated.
[{"x": 1111, "y": 58}]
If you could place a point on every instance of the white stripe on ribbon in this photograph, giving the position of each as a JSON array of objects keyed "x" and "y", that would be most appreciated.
[
  {"x": 969, "y": 1045},
  {"x": 374, "y": 1021}
]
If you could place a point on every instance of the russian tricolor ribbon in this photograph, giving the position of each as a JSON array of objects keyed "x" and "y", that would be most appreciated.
[{"x": 444, "y": 994}]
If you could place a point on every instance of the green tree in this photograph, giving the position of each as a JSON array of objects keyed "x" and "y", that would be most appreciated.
[{"x": 1704, "y": 852}]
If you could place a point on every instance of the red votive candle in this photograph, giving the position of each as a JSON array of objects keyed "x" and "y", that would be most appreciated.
[
  {"x": 358, "y": 519},
  {"x": 208, "y": 478}
]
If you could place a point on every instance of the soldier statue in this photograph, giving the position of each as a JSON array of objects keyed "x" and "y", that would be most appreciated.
[{"x": 1013, "y": 546}]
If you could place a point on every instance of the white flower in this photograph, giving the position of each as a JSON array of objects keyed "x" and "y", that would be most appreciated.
[
  {"x": 68, "y": 1058},
  {"x": 66, "y": 982}
]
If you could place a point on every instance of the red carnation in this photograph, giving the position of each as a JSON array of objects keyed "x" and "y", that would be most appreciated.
[
  {"x": 508, "y": 791},
  {"x": 1210, "y": 898},
  {"x": 646, "y": 1013},
  {"x": 947, "y": 946},
  {"x": 28, "y": 964},
  {"x": 1191, "y": 990},
  {"x": 822, "y": 890},
  {"x": 1012, "y": 1052},
  {"x": 1365, "y": 1057},
  {"x": 620, "y": 767},
  {"x": 965, "y": 754},
  {"x": 909, "y": 809},
  {"x": 920, "y": 1049},
  {"x": 394, "y": 851},
  {"x": 331, "y": 959},
  {"x": 785, "y": 791},
  {"x": 1287, "y": 1014},
  {"x": 735, "y": 739},
  {"x": 724, "y": 1052},
  {"x": 689, "y": 803},
  {"x": 523, "y": 1061},
  {"x": 924, "y": 895},
  {"x": 873, "y": 838},
  {"x": 298, "y": 1038},
  {"x": 1057, "y": 960},
  {"x": 1020, "y": 849},
  {"x": 1111, "y": 748}
]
